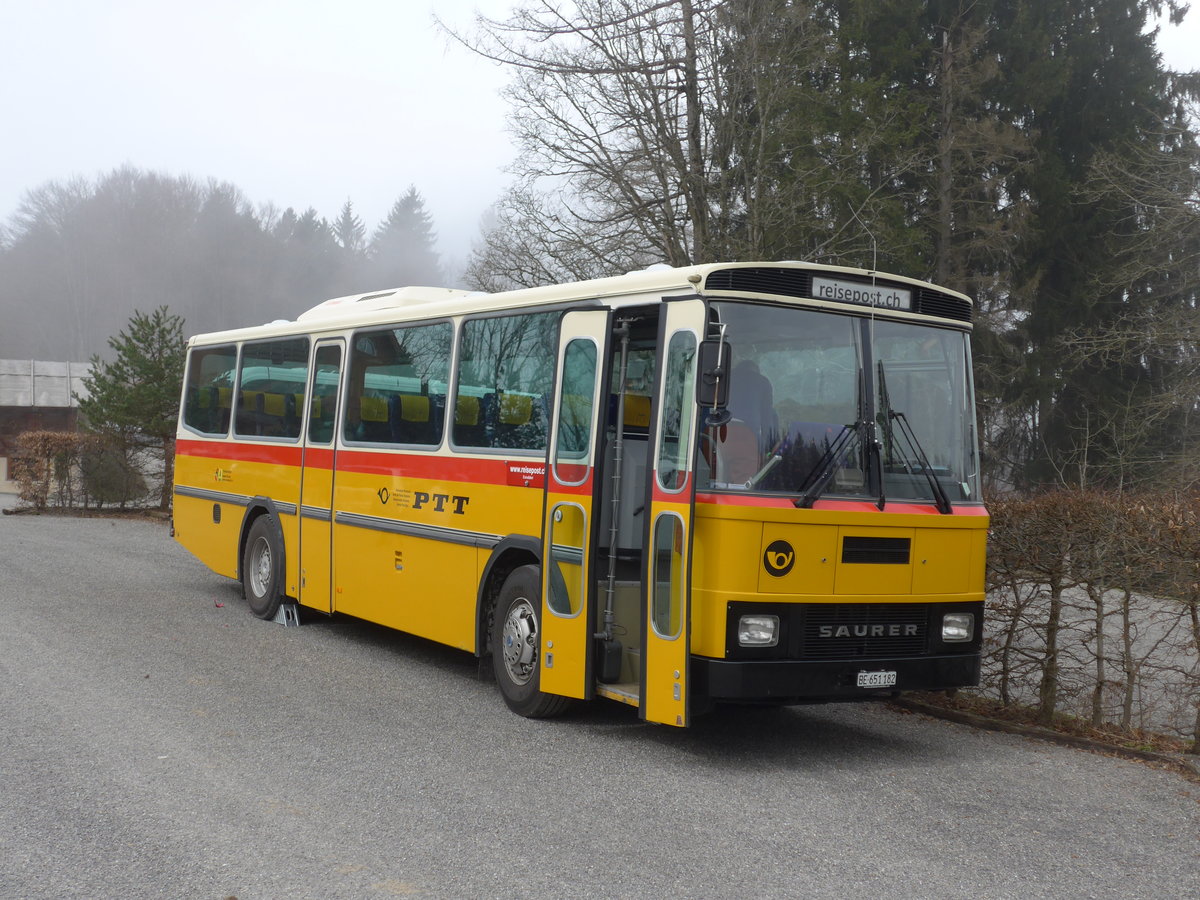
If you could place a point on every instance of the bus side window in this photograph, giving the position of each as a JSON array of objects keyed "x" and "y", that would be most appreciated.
[
  {"x": 506, "y": 370},
  {"x": 270, "y": 373},
  {"x": 398, "y": 385}
]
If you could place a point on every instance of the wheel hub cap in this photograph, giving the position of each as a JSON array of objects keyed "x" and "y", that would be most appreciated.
[
  {"x": 260, "y": 571},
  {"x": 519, "y": 642}
]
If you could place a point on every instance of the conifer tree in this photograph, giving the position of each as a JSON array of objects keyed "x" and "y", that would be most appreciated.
[
  {"x": 134, "y": 398},
  {"x": 1086, "y": 82},
  {"x": 349, "y": 230},
  {"x": 402, "y": 247}
]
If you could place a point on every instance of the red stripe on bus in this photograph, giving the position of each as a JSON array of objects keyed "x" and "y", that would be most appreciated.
[
  {"x": 370, "y": 462},
  {"x": 892, "y": 506},
  {"x": 318, "y": 458},
  {"x": 676, "y": 496},
  {"x": 262, "y": 453},
  {"x": 443, "y": 468},
  {"x": 581, "y": 490}
]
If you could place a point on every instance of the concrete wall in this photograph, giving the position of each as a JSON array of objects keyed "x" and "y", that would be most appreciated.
[
  {"x": 35, "y": 383},
  {"x": 36, "y": 395}
]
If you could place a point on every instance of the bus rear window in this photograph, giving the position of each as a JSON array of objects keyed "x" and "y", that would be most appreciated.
[{"x": 208, "y": 397}]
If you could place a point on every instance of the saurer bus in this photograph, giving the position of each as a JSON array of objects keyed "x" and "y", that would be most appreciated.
[{"x": 750, "y": 483}]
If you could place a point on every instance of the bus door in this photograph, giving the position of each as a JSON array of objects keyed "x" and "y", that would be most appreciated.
[
  {"x": 568, "y": 526},
  {"x": 666, "y": 623},
  {"x": 316, "y": 486}
]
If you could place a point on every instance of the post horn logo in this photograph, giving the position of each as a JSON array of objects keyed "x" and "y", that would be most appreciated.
[{"x": 779, "y": 558}]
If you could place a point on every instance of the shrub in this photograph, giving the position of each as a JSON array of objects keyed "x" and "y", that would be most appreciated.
[
  {"x": 67, "y": 470},
  {"x": 1094, "y": 608}
]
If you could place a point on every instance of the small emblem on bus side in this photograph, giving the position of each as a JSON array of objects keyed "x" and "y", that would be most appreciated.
[{"x": 779, "y": 558}]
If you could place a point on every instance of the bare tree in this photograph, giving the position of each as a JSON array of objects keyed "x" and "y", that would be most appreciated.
[
  {"x": 606, "y": 114},
  {"x": 647, "y": 132}
]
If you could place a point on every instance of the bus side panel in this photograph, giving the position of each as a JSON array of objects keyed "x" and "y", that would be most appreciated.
[
  {"x": 207, "y": 529},
  {"x": 316, "y": 536},
  {"x": 281, "y": 484},
  {"x": 424, "y": 583},
  {"x": 209, "y": 467}
]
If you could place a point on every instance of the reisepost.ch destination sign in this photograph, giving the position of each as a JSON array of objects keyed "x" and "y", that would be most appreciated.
[{"x": 880, "y": 295}]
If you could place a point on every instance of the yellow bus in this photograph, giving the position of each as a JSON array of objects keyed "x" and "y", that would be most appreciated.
[{"x": 724, "y": 483}]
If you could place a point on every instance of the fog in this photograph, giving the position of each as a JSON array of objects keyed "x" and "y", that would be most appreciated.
[
  {"x": 298, "y": 103},
  {"x": 200, "y": 156}
]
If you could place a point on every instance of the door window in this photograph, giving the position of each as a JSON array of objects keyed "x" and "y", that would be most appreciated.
[
  {"x": 666, "y": 609},
  {"x": 675, "y": 428},
  {"x": 575, "y": 411},
  {"x": 568, "y": 529},
  {"x": 323, "y": 403}
]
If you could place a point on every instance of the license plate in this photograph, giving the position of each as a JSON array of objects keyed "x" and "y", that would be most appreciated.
[{"x": 876, "y": 679}]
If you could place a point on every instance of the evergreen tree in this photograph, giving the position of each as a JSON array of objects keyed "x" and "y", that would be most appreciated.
[
  {"x": 402, "y": 248},
  {"x": 1085, "y": 82},
  {"x": 349, "y": 231},
  {"x": 134, "y": 398}
]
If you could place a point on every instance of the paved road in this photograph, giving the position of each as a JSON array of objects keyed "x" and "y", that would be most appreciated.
[{"x": 158, "y": 741}]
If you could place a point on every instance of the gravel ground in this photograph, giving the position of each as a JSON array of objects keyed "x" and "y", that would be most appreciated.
[{"x": 158, "y": 741}]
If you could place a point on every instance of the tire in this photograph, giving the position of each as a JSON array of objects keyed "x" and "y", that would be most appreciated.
[
  {"x": 262, "y": 568},
  {"x": 515, "y": 638}
]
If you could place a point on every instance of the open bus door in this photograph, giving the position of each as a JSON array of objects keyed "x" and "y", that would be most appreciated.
[
  {"x": 666, "y": 620},
  {"x": 570, "y": 486},
  {"x": 316, "y": 486}
]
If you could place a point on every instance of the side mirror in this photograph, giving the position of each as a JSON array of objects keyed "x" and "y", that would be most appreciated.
[{"x": 712, "y": 385}]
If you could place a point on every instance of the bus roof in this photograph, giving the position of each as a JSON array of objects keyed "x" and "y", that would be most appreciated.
[{"x": 773, "y": 280}]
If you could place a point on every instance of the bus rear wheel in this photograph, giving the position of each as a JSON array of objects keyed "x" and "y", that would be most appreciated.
[
  {"x": 515, "y": 642},
  {"x": 261, "y": 564}
]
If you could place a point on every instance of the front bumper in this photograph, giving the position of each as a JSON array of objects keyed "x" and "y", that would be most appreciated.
[{"x": 786, "y": 681}]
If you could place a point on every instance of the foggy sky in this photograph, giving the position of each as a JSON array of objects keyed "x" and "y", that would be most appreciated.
[{"x": 298, "y": 103}]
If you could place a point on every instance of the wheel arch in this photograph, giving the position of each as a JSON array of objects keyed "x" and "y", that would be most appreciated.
[
  {"x": 511, "y": 553},
  {"x": 255, "y": 510}
]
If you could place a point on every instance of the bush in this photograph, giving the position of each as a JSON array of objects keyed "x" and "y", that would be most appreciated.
[
  {"x": 109, "y": 476},
  {"x": 66, "y": 470},
  {"x": 1094, "y": 609},
  {"x": 43, "y": 467}
]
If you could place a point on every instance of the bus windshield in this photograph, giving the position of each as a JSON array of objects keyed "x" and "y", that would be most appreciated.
[{"x": 831, "y": 405}]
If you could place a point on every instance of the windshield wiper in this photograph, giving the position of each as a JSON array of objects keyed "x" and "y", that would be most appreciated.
[
  {"x": 818, "y": 479},
  {"x": 940, "y": 497},
  {"x": 822, "y": 473}
]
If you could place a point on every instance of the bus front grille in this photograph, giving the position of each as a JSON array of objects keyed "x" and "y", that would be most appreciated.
[{"x": 864, "y": 631}]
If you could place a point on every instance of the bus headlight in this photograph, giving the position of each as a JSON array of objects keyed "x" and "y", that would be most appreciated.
[
  {"x": 958, "y": 627},
  {"x": 758, "y": 631}
]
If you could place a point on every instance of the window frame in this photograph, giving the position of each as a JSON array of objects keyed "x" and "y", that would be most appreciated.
[
  {"x": 309, "y": 340},
  {"x": 192, "y": 354},
  {"x": 348, "y": 383},
  {"x": 553, "y": 314}
]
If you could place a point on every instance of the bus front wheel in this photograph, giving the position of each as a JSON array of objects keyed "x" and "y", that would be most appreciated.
[
  {"x": 515, "y": 640},
  {"x": 261, "y": 564}
]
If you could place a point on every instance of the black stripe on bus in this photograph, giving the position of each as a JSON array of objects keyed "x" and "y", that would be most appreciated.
[
  {"x": 215, "y": 496},
  {"x": 411, "y": 529}
]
